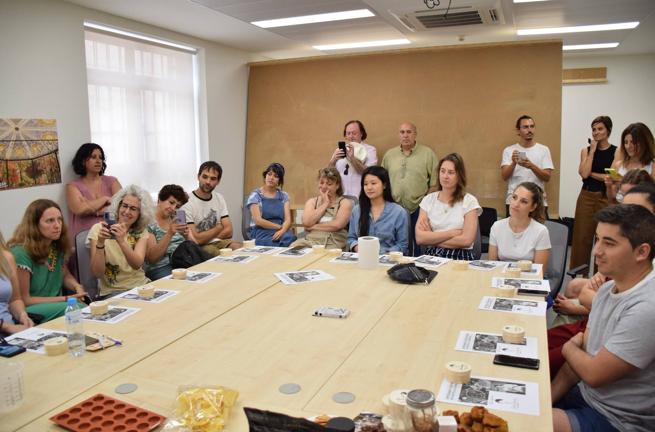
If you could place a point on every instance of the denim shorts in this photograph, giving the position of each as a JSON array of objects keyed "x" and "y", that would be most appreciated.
[{"x": 582, "y": 417}]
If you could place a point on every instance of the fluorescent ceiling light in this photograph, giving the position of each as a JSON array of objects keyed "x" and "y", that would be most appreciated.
[
  {"x": 378, "y": 43},
  {"x": 133, "y": 35},
  {"x": 311, "y": 19},
  {"x": 528, "y": 1},
  {"x": 590, "y": 46},
  {"x": 577, "y": 29}
]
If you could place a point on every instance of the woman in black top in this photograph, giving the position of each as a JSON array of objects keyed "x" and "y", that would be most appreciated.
[{"x": 597, "y": 156}]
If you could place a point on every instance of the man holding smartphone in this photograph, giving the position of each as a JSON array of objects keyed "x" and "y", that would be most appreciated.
[
  {"x": 206, "y": 212},
  {"x": 607, "y": 381},
  {"x": 526, "y": 160}
]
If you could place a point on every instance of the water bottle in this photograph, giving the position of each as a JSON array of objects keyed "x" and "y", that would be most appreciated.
[{"x": 76, "y": 343}]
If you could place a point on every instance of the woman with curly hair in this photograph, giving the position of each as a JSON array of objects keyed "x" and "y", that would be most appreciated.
[
  {"x": 118, "y": 250},
  {"x": 90, "y": 194},
  {"x": 40, "y": 246}
]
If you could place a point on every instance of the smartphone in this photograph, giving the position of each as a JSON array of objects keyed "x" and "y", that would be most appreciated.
[
  {"x": 331, "y": 312},
  {"x": 180, "y": 217},
  {"x": 532, "y": 292},
  {"x": 342, "y": 147},
  {"x": 588, "y": 140},
  {"x": 110, "y": 219},
  {"x": 612, "y": 173},
  {"x": 11, "y": 350},
  {"x": 522, "y": 155},
  {"x": 519, "y": 362}
]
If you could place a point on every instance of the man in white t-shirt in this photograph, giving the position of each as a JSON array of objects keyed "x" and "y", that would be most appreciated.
[
  {"x": 606, "y": 383},
  {"x": 206, "y": 212},
  {"x": 526, "y": 160}
]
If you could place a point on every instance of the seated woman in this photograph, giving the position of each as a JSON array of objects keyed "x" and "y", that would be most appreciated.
[
  {"x": 448, "y": 220},
  {"x": 166, "y": 232},
  {"x": 637, "y": 151},
  {"x": 40, "y": 246},
  {"x": 13, "y": 316},
  {"x": 270, "y": 210},
  {"x": 378, "y": 215},
  {"x": 90, "y": 194},
  {"x": 326, "y": 216},
  {"x": 522, "y": 236},
  {"x": 118, "y": 251}
]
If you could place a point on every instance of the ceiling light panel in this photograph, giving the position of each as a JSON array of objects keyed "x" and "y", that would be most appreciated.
[
  {"x": 317, "y": 18},
  {"x": 590, "y": 46},
  {"x": 369, "y": 44},
  {"x": 577, "y": 29}
]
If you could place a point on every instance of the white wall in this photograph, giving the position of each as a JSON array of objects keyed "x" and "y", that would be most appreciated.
[
  {"x": 43, "y": 75},
  {"x": 627, "y": 97}
]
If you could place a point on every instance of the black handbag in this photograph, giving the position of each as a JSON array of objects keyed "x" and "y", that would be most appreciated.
[
  {"x": 188, "y": 254},
  {"x": 410, "y": 274}
]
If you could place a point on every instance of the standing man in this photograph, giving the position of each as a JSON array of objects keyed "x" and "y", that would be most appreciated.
[
  {"x": 526, "y": 160},
  {"x": 412, "y": 171},
  {"x": 606, "y": 383},
  {"x": 206, "y": 212}
]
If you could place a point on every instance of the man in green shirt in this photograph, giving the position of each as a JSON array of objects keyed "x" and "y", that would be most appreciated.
[{"x": 412, "y": 171}]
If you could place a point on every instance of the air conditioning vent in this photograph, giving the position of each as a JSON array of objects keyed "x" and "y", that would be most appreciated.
[{"x": 431, "y": 21}]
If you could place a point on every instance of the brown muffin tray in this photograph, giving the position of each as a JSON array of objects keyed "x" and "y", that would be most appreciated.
[{"x": 101, "y": 413}]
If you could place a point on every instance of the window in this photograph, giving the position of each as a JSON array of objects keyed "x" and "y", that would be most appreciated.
[{"x": 143, "y": 110}]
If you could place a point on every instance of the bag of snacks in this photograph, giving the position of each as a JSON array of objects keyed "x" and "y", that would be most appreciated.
[{"x": 201, "y": 409}]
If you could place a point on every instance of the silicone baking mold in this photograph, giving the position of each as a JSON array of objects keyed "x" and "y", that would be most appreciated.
[{"x": 101, "y": 413}]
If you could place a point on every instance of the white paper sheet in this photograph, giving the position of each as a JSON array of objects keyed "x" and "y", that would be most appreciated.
[
  {"x": 302, "y": 276},
  {"x": 353, "y": 257},
  {"x": 159, "y": 296},
  {"x": 430, "y": 261},
  {"x": 493, "y": 393},
  {"x": 492, "y": 343},
  {"x": 513, "y": 305},
  {"x": 487, "y": 265},
  {"x": 114, "y": 314},
  {"x": 234, "y": 259},
  {"x": 261, "y": 249},
  {"x": 197, "y": 277},
  {"x": 541, "y": 285},
  {"x": 33, "y": 338},
  {"x": 534, "y": 271},
  {"x": 295, "y": 252}
]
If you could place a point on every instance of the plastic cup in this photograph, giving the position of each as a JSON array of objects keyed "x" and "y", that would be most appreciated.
[{"x": 12, "y": 387}]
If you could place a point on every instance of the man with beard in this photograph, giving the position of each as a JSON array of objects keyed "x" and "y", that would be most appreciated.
[
  {"x": 206, "y": 212},
  {"x": 526, "y": 161}
]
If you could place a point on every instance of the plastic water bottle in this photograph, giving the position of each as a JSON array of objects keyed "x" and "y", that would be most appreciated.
[{"x": 76, "y": 343}]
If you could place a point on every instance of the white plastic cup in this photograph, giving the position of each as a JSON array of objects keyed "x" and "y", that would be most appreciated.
[{"x": 12, "y": 388}]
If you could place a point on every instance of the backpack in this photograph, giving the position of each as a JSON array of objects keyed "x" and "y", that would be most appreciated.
[{"x": 188, "y": 254}]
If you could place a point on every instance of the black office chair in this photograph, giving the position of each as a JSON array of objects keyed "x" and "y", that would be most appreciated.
[{"x": 488, "y": 217}]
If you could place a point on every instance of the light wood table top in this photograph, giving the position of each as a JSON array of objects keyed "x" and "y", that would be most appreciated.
[
  {"x": 397, "y": 336},
  {"x": 52, "y": 381}
]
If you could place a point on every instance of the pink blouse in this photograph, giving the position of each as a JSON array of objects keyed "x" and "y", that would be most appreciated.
[{"x": 78, "y": 223}]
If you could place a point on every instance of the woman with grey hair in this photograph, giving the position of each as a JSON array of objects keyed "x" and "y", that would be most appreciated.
[{"x": 118, "y": 248}]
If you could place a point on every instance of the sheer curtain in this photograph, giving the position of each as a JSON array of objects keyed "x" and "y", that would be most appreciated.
[{"x": 143, "y": 110}]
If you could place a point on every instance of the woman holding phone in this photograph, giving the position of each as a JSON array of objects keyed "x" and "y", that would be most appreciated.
[
  {"x": 352, "y": 157},
  {"x": 118, "y": 250},
  {"x": 40, "y": 246},
  {"x": 594, "y": 160},
  {"x": 167, "y": 231}
]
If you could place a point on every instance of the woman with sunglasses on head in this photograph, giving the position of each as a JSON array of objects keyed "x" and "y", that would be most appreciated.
[
  {"x": 166, "y": 232},
  {"x": 378, "y": 215},
  {"x": 352, "y": 161},
  {"x": 326, "y": 216},
  {"x": 13, "y": 316},
  {"x": 522, "y": 236},
  {"x": 118, "y": 251},
  {"x": 90, "y": 194},
  {"x": 40, "y": 246},
  {"x": 270, "y": 210},
  {"x": 448, "y": 220}
]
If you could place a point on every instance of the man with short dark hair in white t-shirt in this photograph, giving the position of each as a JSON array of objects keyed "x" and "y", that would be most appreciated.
[
  {"x": 607, "y": 381},
  {"x": 525, "y": 161},
  {"x": 206, "y": 212}
]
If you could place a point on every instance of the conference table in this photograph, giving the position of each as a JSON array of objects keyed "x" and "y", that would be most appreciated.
[{"x": 248, "y": 331}]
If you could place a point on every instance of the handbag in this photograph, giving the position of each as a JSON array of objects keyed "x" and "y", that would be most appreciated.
[
  {"x": 188, "y": 254},
  {"x": 410, "y": 274}
]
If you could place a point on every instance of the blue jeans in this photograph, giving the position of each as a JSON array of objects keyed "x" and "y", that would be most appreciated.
[{"x": 582, "y": 417}]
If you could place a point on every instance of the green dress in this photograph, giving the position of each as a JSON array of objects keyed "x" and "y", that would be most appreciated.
[{"x": 43, "y": 282}]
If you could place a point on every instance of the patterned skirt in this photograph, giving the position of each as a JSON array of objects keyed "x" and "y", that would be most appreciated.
[{"x": 455, "y": 254}]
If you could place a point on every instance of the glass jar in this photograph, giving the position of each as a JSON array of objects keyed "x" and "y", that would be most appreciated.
[{"x": 423, "y": 411}]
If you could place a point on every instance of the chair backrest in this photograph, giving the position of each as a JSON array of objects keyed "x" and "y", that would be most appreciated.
[
  {"x": 83, "y": 260},
  {"x": 246, "y": 217},
  {"x": 486, "y": 219},
  {"x": 556, "y": 269},
  {"x": 477, "y": 244}
]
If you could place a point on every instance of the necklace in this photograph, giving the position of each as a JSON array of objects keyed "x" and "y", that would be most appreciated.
[{"x": 52, "y": 259}]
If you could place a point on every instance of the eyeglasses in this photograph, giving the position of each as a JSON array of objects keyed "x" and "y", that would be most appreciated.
[{"x": 130, "y": 208}]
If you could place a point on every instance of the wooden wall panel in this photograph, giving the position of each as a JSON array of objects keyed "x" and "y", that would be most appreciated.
[{"x": 463, "y": 99}]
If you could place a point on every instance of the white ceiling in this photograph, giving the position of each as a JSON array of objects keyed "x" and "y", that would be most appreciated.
[{"x": 228, "y": 22}]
